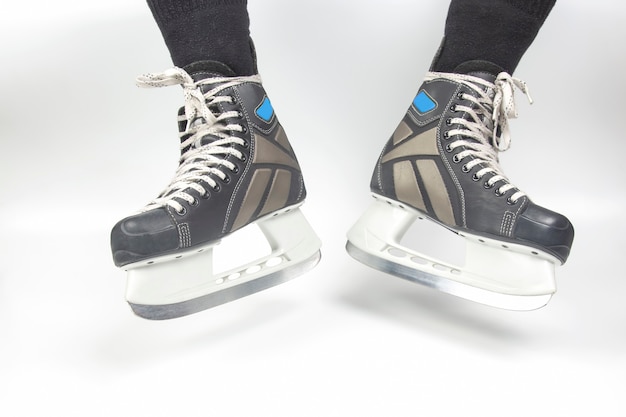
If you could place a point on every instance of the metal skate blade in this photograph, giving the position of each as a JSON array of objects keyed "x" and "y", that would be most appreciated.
[
  {"x": 479, "y": 295},
  {"x": 184, "y": 308},
  {"x": 500, "y": 274},
  {"x": 176, "y": 286}
]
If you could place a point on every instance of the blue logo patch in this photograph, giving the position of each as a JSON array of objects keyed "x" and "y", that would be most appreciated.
[
  {"x": 423, "y": 103},
  {"x": 265, "y": 111}
]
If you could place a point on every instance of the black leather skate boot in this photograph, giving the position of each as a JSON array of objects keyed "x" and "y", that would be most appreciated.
[
  {"x": 441, "y": 163},
  {"x": 236, "y": 168}
]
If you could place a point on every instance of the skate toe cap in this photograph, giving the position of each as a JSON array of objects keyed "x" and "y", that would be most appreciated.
[
  {"x": 143, "y": 236},
  {"x": 547, "y": 229}
]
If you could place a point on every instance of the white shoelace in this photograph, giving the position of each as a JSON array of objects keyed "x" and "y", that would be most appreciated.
[
  {"x": 487, "y": 125},
  {"x": 200, "y": 161}
]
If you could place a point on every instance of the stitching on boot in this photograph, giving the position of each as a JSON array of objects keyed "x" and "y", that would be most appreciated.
[
  {"x": 506, "y": 228},
  {"x": 184, "y": 236}
]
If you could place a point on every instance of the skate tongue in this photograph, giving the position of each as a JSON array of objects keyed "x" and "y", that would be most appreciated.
[
  {"x": 485, "y": 70},
  {"x": 201, "y": 70},
  {"x": 205, "y": 69}
]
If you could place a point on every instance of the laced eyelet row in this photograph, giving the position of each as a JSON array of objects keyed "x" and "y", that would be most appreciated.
[
  {"x": 239, "y": 116},
  {"x": 456, "y": 159},
  {"x": 205, "y": 196},
  {"x": 452, "y": 108},
  {"x": 497, "y": 192},
  {"x": 207, "y": 101}
]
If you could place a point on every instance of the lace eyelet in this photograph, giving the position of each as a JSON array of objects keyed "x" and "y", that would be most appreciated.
[
  {"x": 460, "y": 95},
  {"x": 453, "y": 108},
  {"x": 206, "y": 195},
  {"x": 475, "y": 178},
  {"x": 456, "y": 159},
  {"x": 194, "y": 202},
  {"x": 226, "y": 179},
  {"x": 217, "y": 188},
  {"x": 498, "y": 193},
  {"x": 510, "y": 202},
  {"x": 181, "y": 212},
  {"x": 448, "y": 122},
  {"x": 244, "y": 130},
  {"x": 235, "y": 170},
  {"x": 449, "y": 148},
  {"x": 446, "y": 135},
  {"x": 487, "y": 185},
  {"x": 465, "y": 169},
  {"x": 239, "y": 115}
]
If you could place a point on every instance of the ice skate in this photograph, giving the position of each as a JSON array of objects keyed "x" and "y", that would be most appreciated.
[
  {"x": 237, "y": 170},
  {"x": 441, "y": 164}
]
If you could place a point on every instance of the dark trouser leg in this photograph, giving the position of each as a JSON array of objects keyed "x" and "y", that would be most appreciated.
[
  {"x": 495, "y": 31},
  {"x": 199, "y": 30}
]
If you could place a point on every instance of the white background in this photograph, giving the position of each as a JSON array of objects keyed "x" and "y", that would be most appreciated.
[{"x": 81, "y": 147}]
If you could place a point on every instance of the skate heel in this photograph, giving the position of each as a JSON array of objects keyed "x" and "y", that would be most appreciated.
[
  {"x": 175, "y": 286},
  {"x": 518, "y": 278}
]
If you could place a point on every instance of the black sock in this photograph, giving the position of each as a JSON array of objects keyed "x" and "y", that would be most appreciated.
[
  {"x": 199, "y": 30},
  {"x": 496, "y": 31}
]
